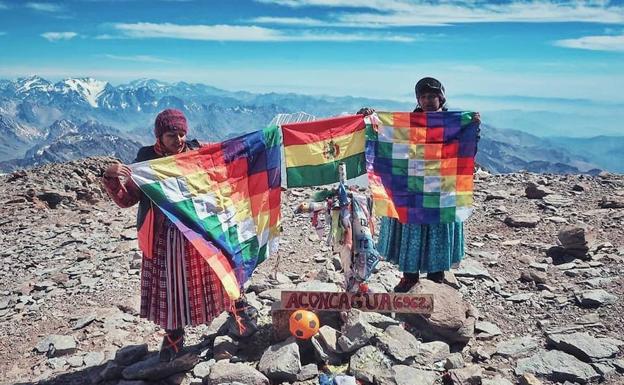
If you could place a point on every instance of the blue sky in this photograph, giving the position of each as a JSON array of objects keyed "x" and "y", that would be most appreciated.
[{"x": 378, "y": 48}]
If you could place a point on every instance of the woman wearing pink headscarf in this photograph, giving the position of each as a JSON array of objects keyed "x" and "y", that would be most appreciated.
[{"x": 178, "y": 288}]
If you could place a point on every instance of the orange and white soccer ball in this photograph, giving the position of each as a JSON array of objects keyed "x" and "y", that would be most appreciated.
[{"x": 303, "y": 324}]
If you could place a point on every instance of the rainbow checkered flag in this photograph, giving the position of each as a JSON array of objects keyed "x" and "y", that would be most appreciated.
[
  {"x": 420, "y": 165},
  {"x": 225, "y": 199}
]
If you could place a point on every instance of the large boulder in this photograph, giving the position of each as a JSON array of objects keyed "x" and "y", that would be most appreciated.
[
  {"x": 223, "y": 372},
  {"x": 432, "y": 352},
  {"x": 398, "y": 343},
  {"x": 153, "y": 369},
  {"x": 370, "y": 364},
  {"x": 281, "y": 362},
  {"x": 325, "y": 345},
  {"x": 130, "y": 354},
  {"x": 469, "y": 375},
  {"x": 584, "y": 346},
  {"x": 595, "y": 298},
  {"x": 356, "y": 332},
  {"x": 557, "y": 366},
  {"x": 452, "y": 319},
  {"x": 407, "y": 375}
]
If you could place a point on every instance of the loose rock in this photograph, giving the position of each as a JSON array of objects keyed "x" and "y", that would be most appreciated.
[
  {"x": 536, "y": 191},
  {"x": 369, "y": 363},
  {"x": 57, "y": 345},
  {"x": 153, "y": 369},
  {"x": 557, "y": 366},
  {"x": 522, "y": 220},
  {"x": 595, "y": 298},
  {"x": 517, "y": 346},
  {"x": 223, "y": 372},
  {"x": 584, "y": 347}
]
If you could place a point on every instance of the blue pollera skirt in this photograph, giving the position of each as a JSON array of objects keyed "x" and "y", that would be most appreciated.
[{"x": 421, "y": 248}]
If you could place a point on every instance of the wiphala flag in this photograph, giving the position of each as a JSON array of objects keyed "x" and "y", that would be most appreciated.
[
  {"x": 225, "y": 199},
  {"x": 420, "y": 165}
]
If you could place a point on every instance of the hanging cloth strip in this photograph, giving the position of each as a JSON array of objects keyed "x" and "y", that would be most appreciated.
[{"x": 350, "y": 231}]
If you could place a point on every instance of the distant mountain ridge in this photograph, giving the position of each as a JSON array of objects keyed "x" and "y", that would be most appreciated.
[
  {"x": 43, "y": 122},
  {"x": 67, "y": 141},
  {"x": 605, "y": 150}
]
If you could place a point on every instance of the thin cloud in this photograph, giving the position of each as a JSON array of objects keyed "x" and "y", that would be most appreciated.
[
  {"x": 57, "y": 36},
  {"x": 245, "y": 33},
  {"x": 137, "y": 58},
  {"x": 107, "y": 36},
  {"x": 3, "y": 6},
  {"x": 197, "y": 32},
  {"x": 299, "y": 21},
  {"x": 371, "y": 4},
  {"x": 45, "y": 7},
  {"x": 396, "y": 13},
  {"x": 2, "y": 33},
  {"x": 310, "y": 22},
  {"x": 595, "y": 43}
]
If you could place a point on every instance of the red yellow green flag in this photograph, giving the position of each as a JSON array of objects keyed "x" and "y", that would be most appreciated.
[{"x": 313, "y": 150}]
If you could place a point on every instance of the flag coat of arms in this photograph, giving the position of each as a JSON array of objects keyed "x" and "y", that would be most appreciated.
[
  {"x": 420, "y": 165},
  {"x": 313, "y": 150},
  {"x": 225, "y": 199}
]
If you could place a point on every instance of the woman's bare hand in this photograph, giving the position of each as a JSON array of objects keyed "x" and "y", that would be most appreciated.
[{"x": 116, "y": 170}]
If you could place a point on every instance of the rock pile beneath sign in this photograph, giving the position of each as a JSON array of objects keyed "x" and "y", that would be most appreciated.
[{"x": 539, "y": 298}]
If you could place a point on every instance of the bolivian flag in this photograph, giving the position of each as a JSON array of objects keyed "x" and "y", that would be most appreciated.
[{"x": 313, "y": 150}]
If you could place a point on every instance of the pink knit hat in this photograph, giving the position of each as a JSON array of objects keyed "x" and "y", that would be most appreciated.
[{"x": 170, "y": 120}]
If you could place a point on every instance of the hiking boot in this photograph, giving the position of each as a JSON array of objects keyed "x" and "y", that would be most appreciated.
[
  {"x": 406, "y": 283},
  {"x": 438, "y": 276},
  {"x": 172, "y": 344},
  {"x": 242, "y": 322}
]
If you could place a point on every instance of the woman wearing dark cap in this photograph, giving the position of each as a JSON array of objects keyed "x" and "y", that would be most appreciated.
[
  {"x": 178, "y": 288},
  {"x": 415, "y": 249},
  {"x": 430, "y": 96}
]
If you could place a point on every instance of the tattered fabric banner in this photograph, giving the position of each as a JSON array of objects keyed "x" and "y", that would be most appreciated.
[
  {"x": 225, "y": 199},
  {"x": 420, "y": 165},
  {"x": 313, "y": 150}
]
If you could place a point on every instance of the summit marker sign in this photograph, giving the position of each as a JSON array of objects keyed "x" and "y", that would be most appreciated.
[{"x": 343, "y": 301}]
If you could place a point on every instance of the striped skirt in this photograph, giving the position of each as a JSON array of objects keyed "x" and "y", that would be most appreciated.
[
  {"x": 421, "y": 248},
  {"x": 178, "y": 288}
]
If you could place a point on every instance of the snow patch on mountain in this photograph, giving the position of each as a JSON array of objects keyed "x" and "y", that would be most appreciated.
[
  {"x": 152, "y": 84},
  {"x": 25, "y": 86},
  {"x": 88, "y": 88},
  {"x": 15, "y": 130}
]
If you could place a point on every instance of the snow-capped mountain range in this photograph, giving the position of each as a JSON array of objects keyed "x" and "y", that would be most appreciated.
[
  {"x": 41, "y": 121},
  {"x": 87, "y": 90},
  {"x": 34, "y": 111}
]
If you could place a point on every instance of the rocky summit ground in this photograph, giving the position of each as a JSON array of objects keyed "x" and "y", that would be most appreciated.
[{"x": 538, "y": 299}]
